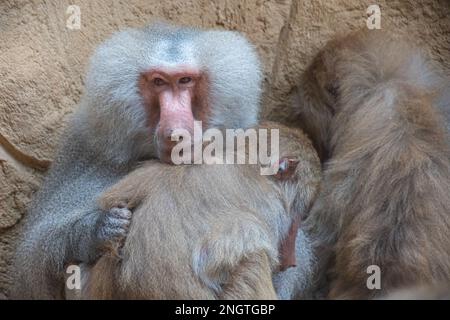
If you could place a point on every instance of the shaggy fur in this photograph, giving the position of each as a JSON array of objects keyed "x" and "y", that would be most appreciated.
[
  {"x": 369, "y": 103},
  {"x": 109, "y": 134},
  {"x": 421, "y": 293},
  {"x": 207, "y": 231}
]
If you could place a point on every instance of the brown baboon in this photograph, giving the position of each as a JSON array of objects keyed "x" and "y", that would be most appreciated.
[
  {"x": 205, "y": 231},
  {"x": 369, "y": 102}
]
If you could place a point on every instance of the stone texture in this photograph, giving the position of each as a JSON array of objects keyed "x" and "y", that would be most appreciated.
[
  {"x": 42, "y": 65},
  {"x": 312, "y": 23}
]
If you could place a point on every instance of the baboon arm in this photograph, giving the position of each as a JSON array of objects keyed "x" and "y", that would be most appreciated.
[{"x": 53, "y": 246}]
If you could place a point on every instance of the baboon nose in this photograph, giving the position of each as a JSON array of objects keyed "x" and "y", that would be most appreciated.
[{"x": 171, "y": 137}]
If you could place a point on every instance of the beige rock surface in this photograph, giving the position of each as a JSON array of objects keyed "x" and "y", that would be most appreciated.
[{"x": 43, "y": 63}]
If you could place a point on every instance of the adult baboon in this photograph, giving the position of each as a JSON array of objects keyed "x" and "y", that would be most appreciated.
[{"x": 369, "y": 103}]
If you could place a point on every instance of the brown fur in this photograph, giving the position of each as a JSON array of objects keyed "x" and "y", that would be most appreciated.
[
  {"x": 204, "y": 231},
  {"x": 420, "y": 293},
  {"x": 368, "y": 103}
]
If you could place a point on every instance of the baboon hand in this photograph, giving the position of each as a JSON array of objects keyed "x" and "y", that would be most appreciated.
[{"x": 112, "y": 229}]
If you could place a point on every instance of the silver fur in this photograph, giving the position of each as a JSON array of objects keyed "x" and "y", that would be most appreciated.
[{"x": 108, "y": 134}]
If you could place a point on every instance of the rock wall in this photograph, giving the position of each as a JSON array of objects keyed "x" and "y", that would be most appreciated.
[{"x": 43, "y": 63}]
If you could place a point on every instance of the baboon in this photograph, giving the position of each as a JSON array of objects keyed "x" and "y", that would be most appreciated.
[
  {"x": 369, "y": 102},
  {"x": 141, "y": 85},
  {"x": 207, "y": 231}
]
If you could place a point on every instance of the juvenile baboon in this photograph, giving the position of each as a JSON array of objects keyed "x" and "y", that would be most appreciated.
[
  {"x": 142, "y": 84},
  {"x": 207, "y": 231},
  {"x": 369, "y": 103}
]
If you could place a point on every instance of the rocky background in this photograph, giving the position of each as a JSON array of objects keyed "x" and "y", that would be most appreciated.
[{"x": 43, "y": 63}]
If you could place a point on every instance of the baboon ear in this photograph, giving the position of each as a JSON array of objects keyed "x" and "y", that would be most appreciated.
[{"x": 286, "y": 167}]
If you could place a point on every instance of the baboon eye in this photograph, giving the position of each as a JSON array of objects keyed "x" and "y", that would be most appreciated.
[
  {"x": 159, "y": 82},
  {"x": 185, "y": 80}
]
